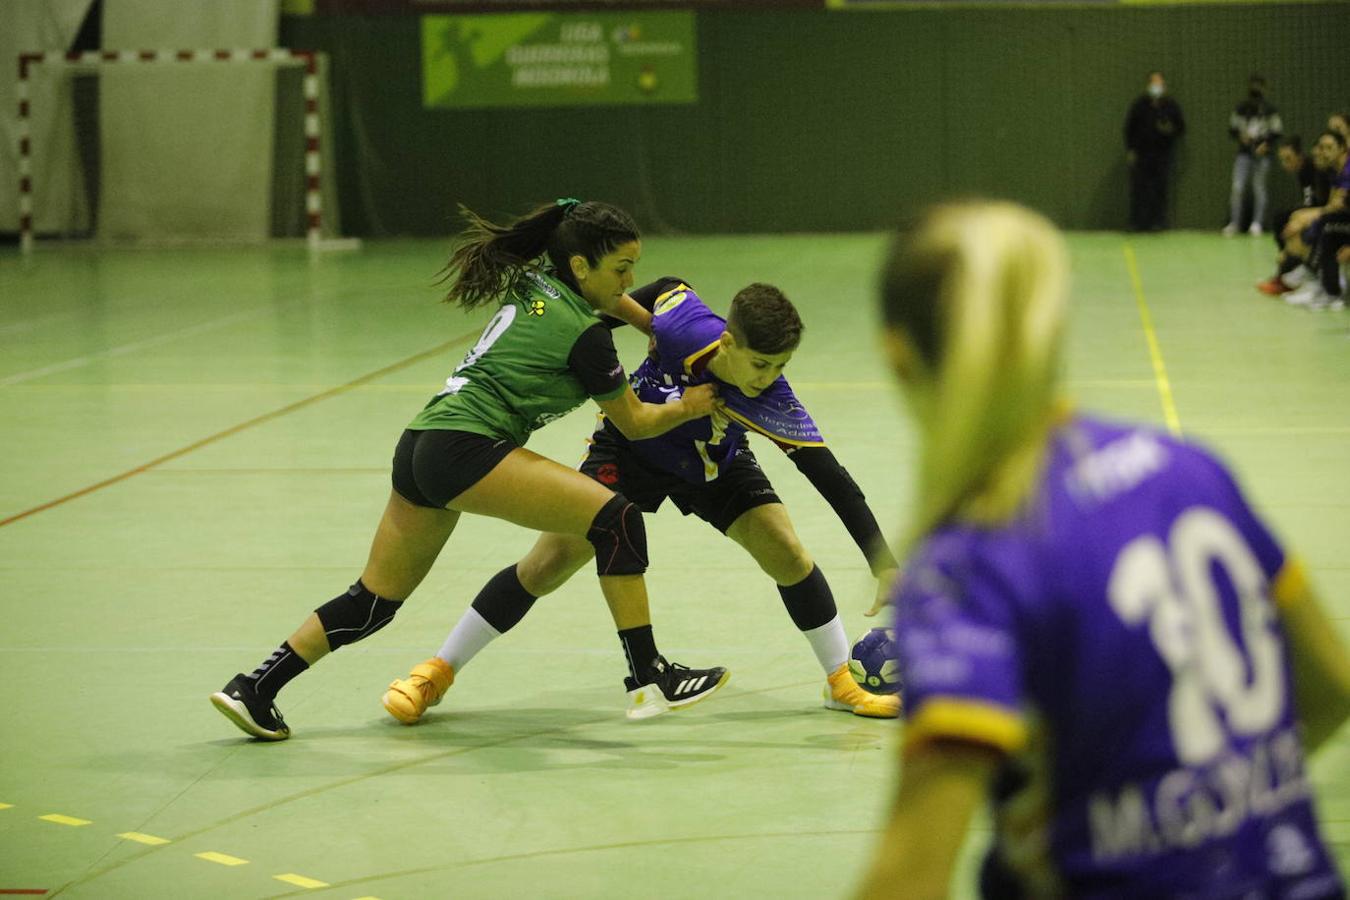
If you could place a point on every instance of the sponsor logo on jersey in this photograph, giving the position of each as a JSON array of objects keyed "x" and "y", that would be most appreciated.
[
  {"x": 542, "y": 283},
  {"x": 537, "y": 307}
]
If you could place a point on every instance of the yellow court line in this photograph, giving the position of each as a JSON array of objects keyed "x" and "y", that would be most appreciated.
[
  {"x": 144, "y": 838},
  {"x": 63, "y": 820},
  {"x": 300, "y": 880},
  {"x": 6, "y": 805},
  {"x": 223, "y": 858},
  {"x": 1154, "y": 351}
]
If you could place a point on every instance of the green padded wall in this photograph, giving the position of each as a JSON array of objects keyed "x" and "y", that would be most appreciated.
[{"x": 840, "y": 121}]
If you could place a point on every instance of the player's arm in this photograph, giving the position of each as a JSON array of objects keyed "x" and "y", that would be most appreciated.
[
  {"x": 637, "y": 420},
  {"x": 629, "y": 312},
  {"x": 1300, "y": 219},
  {"x": 1320, "y": 661},
  {"x": 833, "y": 482},
  {"x": 1336, "y": 203},
  {"x": 595, "y": 363},
  {"x": 636, "y": 306},
  {"x": 942, "y": 783}
]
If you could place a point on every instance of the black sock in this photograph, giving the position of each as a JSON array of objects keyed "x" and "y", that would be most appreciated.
[
  {"x": 809, "y": 601},
  {"x": 503, "y": 601},
  {"x": 1289, "y": 264},
  {"x": 279, "y": 668},
  {"x": 639, "y": 648}
]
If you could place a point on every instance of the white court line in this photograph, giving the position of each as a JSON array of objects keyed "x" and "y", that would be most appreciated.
[
  {"x": 30, "y": 324},
  {"x": 124, "y": 349}
]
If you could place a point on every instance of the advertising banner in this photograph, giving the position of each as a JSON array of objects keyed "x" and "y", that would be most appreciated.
[{"x": 558, "y": 59}]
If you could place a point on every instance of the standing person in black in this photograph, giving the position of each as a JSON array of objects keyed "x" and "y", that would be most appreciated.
[{"x": 1151, "y": 129}]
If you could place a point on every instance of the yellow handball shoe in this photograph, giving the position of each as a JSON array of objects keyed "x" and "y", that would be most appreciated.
[
  {"x": 408, "y": 698},
  {"x": 843, "y": 692}
]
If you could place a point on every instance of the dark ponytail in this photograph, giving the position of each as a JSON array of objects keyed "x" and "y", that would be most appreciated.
[{"x": 489, "y": 259}]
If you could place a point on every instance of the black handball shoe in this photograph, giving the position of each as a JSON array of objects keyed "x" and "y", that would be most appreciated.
[
  {"x": 671, "y": 686},
  {"x": 239, "y": 702}
]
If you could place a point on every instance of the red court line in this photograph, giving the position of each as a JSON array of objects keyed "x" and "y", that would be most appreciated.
[
  {"x": 235, "y": 429},
  {"x": 34, "y": 892}
]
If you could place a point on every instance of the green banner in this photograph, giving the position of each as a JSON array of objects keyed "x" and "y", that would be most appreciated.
[{"x": 558, "y": 59}]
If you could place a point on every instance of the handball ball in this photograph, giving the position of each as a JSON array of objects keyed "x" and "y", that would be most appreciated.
[{"x": 873, "y": 664}]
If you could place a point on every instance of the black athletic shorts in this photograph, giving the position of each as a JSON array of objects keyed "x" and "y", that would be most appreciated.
[
  {"x": 741, "y": 487},
  {"x": 431, "y": 468}
]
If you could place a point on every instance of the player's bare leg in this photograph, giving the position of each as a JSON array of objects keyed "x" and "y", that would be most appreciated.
[
  {"x": 578, "y": 515},
  {"x": 767, "y": 535}
]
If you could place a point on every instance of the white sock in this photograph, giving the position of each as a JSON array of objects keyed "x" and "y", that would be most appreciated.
[
  {"x": 830, "y": 644},
  {"x": 471, "y": 634}
]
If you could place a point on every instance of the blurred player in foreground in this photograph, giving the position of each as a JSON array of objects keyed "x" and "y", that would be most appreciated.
[
  {"x": 1093, "y": 626},
  {"x": 705, "y": 468}
]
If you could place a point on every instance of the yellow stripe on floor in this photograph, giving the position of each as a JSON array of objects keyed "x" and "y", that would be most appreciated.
[
  {"x": 301, "y": 881},
  {"x": 1169, "y": 406},
  {"x": 6, "y": 805},
  {"x": 223, "y": 858},
  {"x": 143, "y": 838},
  {"x": 63, "y": 820}
]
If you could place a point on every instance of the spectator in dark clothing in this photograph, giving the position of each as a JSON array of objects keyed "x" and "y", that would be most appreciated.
[
  {"x": 1255, "y": 124},
  {"x": 1314, "y": 190},
  {"x": 1320, "y": 233},
  {"x": 1152, "y": 127},
  {"x": 1314, "y": 186}
]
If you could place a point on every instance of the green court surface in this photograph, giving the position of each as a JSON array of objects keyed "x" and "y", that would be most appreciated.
[{"x": 195, "y": 451}]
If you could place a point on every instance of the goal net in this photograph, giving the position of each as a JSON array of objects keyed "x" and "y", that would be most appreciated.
[{"x": 174, "y": 147}]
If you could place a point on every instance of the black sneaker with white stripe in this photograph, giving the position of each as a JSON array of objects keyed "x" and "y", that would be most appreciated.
[
  {"x": 239, "y": 702},
  {"x": 672, "y": 686}
]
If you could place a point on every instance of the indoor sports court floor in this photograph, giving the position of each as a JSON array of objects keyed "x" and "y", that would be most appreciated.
[{"x": 195, "y": 447}]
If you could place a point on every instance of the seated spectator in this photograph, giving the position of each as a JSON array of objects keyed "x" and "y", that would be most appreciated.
[
  {"x": 1318, "y": 234},
  {"x": 1339, "y": 122},
  {"x": 1313, "y": 190}
]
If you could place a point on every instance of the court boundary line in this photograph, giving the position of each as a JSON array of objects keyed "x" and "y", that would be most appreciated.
[
  {"x": 242, "y": 426},
  {"x": 1169, "y": 406}
]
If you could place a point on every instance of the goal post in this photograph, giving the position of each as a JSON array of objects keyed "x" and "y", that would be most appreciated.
[{"x": 314, "y": 221}]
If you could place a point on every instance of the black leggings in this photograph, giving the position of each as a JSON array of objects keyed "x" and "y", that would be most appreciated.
[{"x": 1335, "y": 235}]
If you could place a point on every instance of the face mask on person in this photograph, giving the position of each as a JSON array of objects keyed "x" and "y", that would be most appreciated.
[{"x": 1156, "y": 90}]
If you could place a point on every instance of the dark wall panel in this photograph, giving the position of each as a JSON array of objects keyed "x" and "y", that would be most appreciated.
[{"x": 820, "y": 121}]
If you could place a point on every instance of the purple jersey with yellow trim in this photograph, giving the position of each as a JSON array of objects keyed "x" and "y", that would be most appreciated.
[
  {"x": 1124, "y": 629},
  {"x": 685, "y": 336}
]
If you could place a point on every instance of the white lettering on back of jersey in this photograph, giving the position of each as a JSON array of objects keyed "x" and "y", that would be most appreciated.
[{"x": 1116, "y": 467}]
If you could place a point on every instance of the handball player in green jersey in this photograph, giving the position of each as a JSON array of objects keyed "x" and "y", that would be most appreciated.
[{"x": 551, "y": 274}]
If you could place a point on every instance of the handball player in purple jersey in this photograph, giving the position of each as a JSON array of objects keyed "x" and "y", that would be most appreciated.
[
  {"x": 1094, "y": 629},
  {"x": 706, "y": 469}
]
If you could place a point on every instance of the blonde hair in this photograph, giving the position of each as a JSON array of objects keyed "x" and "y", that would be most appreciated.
[{"x": 979, "y": 290}]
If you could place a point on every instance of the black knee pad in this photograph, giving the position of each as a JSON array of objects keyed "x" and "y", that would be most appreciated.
[
  {"x": 619, "y": 537},
  {"x": 355, "y": 615}
]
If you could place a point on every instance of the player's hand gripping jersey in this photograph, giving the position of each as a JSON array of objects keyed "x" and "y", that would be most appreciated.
[
  {"x": 539, "y": 358},
  {"x": 1126, "y": 628},
  {"x": 685, "y": 337}
]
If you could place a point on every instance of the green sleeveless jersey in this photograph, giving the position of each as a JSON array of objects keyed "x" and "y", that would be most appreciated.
[{"x": 519, "y": 377}]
